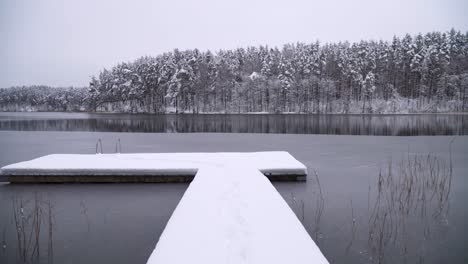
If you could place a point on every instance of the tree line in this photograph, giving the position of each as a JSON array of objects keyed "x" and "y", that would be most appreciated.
[
  {"x": 421, "y": 73},
  {"x": 44, "y": 98}
]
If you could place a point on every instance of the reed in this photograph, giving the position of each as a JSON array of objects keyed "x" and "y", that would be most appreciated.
[
  {"x": 99, "y": 147},
  {"x": 30, "y": 216},
  {"x": 318, "y": 200},
  {"x": 415, "y": 189},
  {"x": 118, "y": 146}
]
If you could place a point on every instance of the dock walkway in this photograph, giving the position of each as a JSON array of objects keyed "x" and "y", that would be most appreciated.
[{"x": 234, "y": 215}]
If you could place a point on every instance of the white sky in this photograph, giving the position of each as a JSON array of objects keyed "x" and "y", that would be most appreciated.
[{"x": 64, "y": 42}]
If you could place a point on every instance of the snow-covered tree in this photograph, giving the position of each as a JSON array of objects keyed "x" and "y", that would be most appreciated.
[
  {"x": 368, "y": 85},
  {"x": 425, "y": 70}
]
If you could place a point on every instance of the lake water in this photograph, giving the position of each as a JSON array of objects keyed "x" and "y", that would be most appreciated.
[
  {"x": 352, "y": 213},
  {"x": 379, "y": 125}
]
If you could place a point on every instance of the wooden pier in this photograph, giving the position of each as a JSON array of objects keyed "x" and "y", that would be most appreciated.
[{"x": 230, "y": 213}]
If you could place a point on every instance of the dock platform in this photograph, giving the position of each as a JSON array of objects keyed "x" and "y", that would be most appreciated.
[{"x": 146, "y": 167}]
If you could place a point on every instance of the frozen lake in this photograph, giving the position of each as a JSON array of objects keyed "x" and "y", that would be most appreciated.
[{"x": 347, "y": 214}]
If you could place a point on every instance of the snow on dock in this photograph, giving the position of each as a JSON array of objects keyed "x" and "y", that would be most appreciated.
[
  {"x": 147, "y": 167},
  {"x": 234, "y": 215}
]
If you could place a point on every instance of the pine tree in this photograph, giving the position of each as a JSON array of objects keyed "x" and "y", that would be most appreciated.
[{"x": 368, "y": 85}]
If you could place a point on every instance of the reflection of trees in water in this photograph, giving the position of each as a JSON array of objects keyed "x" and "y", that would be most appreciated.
[
  {"x": 34, "y": 221},
  {"x": 412, "y": 193},
  {"x": 397, "y": 125}
]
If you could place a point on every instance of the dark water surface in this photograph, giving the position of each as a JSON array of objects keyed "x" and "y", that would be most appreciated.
[
  {"x": 378, "y": 125},
  {"x": 353, "y": 215}
]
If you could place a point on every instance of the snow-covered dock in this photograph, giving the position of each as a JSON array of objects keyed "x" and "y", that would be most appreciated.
[
  {"x": 234, "y": 215},
  {"x": 147, "y": 167},
  {"x": 230, "y": 213}
]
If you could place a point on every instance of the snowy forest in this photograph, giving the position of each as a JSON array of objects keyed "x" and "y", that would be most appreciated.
[{"x": 409, "y": 74}]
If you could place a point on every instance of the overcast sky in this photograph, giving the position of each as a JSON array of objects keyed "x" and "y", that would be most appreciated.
[{"x": 63, "y": 43}]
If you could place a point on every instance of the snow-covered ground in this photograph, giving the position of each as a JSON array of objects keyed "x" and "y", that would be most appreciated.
[
  {"x": 271, "y": 163},
  {"x": 234, "y": 215}
]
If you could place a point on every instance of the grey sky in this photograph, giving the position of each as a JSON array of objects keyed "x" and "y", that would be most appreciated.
[{"x": 63, "y": 43}]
